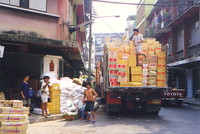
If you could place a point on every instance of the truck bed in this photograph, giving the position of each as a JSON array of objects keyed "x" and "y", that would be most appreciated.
[{"x": 141, "y": 89}]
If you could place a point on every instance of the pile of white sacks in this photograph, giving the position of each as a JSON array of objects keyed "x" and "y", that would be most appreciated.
[{"x": 71, "y": 96}]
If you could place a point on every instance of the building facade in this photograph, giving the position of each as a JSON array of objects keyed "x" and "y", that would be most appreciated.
[
  {"x": 131, "y": 24},
  {"x": 36, "y": 38},
  {"x": 142, "y": 13},
  {"x": 99, "y": 43},
  {"x": 179, "y": 28}
]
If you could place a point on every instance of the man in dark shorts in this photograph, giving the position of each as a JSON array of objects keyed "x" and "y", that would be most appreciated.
[
  {"x": 24, "y": 91},
  {"x": 89, "y": 98}
]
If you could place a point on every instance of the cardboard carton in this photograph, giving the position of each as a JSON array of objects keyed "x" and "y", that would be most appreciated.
[
  {"x": 132, "y": 62},
  {"x": 136, "y": 84},
  {"x": 114, "y": 84},
  {"x": 136, "y": 70},
  {"x": 136, "y": 78},
  {"x": 17, "y": 103},
  {"x": 13, "y": 117},
  {"x": 140, "y": 59},
  {"x": 161, "y": 62},
  {"x": 122, "y": 78},
  {"x": 124, "y": 84},
  {"x": 112, "y": 54},
  {"x": 12, "y": 110}
]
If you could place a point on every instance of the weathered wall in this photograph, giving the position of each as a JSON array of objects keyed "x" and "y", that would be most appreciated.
[{"x": 15, "y": 20}]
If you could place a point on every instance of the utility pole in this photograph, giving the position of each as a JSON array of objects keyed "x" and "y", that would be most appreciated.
[{"x": 90, "y": 44}]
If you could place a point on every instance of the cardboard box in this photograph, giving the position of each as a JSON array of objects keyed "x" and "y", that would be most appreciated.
[
  {"x": 150, "y": 40},
  {"x": 12, "y": 110},
  {"x": 119, "y": 56},
  {"x": 161, "y": 61},
  {"x": 127, "y": 49},
  {"x": 112, "y": 73},
  {"x": 132, "y": 51},
  {"x": 136, "y": 78},
  {"x": 132, "y": 61},
  {"x": 136, "y": 84},
  {"x": 161, "y": 76},
  {"x": 114, "y": 84},
  {"x": 128, "y": 77},
  {"x": 121, "y": 73},
  {"x": 153, "y": 59},
  {"x": 13, "y": 117},
  {"x": 136, "y": 70},
  {"x": 145, "y": 52},
  {"x": 151, "y": 53},
  {"x": 112, "y": 54},
  {"x": 113, "y": 79},
  {"x": 121, "y": 68},
  {"x": 161, "y": 69},
  {"x": 123, "y": 62},
  {"x": 161, "y": 83},
  {"x": 112, "y": 60},
  {"x": 145, "y": 46},
  {"x": 124, "y": 84},
  {"x": 161, "y": 54},
  {"x": 125, "y": 56},
  {"x": 17, "y": 103},
  {"x": 140, "y": 60},
  {"x": 152, "y": 73},
  {"x": 112, "y": 67},
  {"x": 122, "y": 78},
  {"x": 14, "y": 125},
  {"x": 146, "y": 60}
]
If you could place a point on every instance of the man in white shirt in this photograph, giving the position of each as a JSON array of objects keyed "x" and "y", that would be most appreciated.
[{"x": 138, "y": 39}]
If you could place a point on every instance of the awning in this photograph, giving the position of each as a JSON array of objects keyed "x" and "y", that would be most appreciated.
[{"x": 45, "y": 46}]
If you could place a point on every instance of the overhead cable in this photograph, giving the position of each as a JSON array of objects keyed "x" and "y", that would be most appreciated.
[{"x": 124, "y": 3}]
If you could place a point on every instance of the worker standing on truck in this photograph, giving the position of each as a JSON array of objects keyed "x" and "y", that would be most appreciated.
[
  {"x": 138, "y": 40},
  {"x": 89, "y": 98}
]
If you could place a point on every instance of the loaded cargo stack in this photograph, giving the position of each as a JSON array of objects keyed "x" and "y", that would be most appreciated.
[
  {"x": 126, "y": 68},
  {"x": 13, "y": 117}
]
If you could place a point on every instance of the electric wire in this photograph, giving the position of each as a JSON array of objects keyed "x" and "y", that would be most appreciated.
[{"x": 124, "y": 3}]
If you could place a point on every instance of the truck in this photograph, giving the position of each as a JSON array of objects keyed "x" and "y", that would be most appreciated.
[
  {"x": 174, "y": 96},
  {"x": 145, "y": 98}
]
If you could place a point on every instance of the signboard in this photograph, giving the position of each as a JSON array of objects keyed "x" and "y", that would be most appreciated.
[{"x": 1, "y": 51}]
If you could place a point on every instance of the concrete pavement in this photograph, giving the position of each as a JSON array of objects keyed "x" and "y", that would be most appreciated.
[
  {"x": 171, "y": 120},
  {"x": 192, "y": 101}
]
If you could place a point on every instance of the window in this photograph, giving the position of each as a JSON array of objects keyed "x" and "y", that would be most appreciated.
[
  {"x": 194, "y": 33},
  {"x": 180, "y": 38},
  {"x": 11, "y": 2},
  {"x": 24, "y": 3},
  {"x": 37, "y": 4},
  {"x": 32, "y": 4},
  {"x": 99, "y": 40}
]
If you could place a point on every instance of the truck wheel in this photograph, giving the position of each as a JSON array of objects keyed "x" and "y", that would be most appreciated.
[{"x": 179, "y": 103}]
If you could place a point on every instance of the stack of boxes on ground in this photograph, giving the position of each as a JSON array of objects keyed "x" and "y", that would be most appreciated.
[
  {"x": 54, "y": 104},
  {"x": 13, "y": 117},
  {"x": 66, "y": 96},
  {"x": 128, "y": 69}
]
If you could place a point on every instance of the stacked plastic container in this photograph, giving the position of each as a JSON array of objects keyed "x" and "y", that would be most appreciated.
[{"x": 54, "y": 104}]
